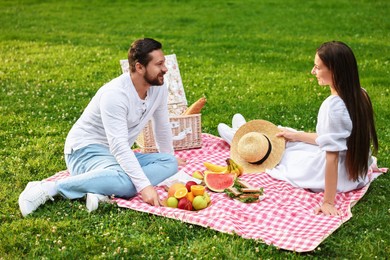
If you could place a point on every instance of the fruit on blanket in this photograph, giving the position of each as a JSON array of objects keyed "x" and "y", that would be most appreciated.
[
  {"x": 180, "y": 193},
  {"x": 199, "y": 202},
  {"x": 214, "y": 167},
  {"x": 172, "y": 189},
  {"x": 218, "y": 182},
  {"x": 235, "y": 167},
  {"x": 231, "y": 167},
  {"x": 183, "y": 199},
  {"x": 207, "y": 197},
  {"x": 197, "y": 190},
  {"x": 198, "y": 175},
  {"x": 189, "y": 184},
  {"x": 172, "y": 202},
  {"x": 185, "y": 204},
  {"x": 190, "y": 196}
]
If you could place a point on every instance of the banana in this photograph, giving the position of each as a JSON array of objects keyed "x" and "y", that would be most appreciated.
[
  {"x": 214, "y": 167},
  {"x": 231, "y": 167},
  {"x": 236, "y": 168},
  {"x": 206, "y": 172},
  {"x": 241, "y": 169}
]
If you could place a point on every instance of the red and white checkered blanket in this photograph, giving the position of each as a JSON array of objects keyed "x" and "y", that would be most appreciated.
[{"x": 284, "y": 218}]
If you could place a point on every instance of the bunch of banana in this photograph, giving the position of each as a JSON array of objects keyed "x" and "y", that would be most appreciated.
[
  {"x": 231, "y": 167},
  {"x": 235, "y": 167}
]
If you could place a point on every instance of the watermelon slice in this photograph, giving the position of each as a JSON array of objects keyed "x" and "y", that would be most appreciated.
[{"x": 218, "y": 182}]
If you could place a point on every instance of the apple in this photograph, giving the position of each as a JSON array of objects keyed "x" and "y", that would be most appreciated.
[
  {"x": 207, "y": 197},
  {"x": 189, "y": 184},
  {"x": 200, "y": 202},
  {"x": 185, "y": 204},
  {"x": 172, "y": 202}
]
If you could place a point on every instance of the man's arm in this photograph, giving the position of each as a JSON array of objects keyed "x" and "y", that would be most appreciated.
[
  {"x": 114, "y": 112},
  {"x": 162, "y": 126}
]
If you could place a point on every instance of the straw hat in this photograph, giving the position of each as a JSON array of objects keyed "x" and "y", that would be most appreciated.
[{"x": 256, "y": 147}]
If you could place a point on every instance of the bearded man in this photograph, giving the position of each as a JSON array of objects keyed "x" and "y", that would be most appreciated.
[{"x": 98, "y": 150}]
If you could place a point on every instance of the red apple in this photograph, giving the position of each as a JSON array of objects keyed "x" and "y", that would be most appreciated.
[
  {"x": 185, "y": 204},
  {"x": 189, "y": 184}
]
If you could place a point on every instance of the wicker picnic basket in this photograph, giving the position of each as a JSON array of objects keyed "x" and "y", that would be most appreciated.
[{"x": 186, "y": 129}]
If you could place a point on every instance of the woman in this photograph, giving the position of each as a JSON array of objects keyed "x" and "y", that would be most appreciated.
[{"x": 336, "y": 158}]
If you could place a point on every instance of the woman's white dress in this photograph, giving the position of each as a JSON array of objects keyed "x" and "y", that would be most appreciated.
[{"x": 303, "y": 165}]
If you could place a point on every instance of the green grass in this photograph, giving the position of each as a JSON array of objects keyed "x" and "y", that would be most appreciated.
[{"x": 252, "y": 57}]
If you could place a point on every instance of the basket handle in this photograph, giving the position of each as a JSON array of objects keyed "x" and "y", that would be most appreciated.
[
  {"x": 182, "y": 134},
  {"x": 175, "y": 124}
]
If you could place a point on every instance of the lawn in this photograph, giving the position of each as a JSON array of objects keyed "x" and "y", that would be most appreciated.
[{"x": 252, "y": 57}]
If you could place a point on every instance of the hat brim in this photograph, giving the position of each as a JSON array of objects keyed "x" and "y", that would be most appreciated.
[{"x": 270, "y": 130}]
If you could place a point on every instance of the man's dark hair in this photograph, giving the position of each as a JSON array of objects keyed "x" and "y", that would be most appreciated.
[{"x": 139, "y": 52}]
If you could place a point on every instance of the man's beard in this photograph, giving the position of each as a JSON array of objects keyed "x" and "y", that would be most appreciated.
[{"x": 154, "y": 81}]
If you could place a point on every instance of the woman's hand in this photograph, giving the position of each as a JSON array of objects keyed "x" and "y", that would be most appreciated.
[
  {"x": 328, "y": 209},
  {"x": 297, "y": 136},
  {"x": 288, "y": 135},
  {"x": 150, "y": 196}
]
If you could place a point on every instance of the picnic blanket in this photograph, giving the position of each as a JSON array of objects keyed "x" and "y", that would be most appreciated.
[{"x": 284, "y": 218}]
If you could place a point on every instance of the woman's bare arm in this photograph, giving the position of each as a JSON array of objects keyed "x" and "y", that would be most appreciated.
[
  {"x": 291, "y": 136},
  {"x": 331, "y": 176}
]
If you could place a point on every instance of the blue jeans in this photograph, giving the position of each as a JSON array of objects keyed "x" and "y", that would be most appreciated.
[{"x": 94, "y": 169}]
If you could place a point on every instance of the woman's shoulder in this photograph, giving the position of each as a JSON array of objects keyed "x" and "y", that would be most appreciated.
[
  {"x": 336, "y": 104},
  {"x": 338, "y": 110},
  {"x": 335, "y": 100}
]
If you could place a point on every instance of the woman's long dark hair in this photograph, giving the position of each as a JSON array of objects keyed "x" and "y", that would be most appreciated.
[{"x": 341, "y": 61}]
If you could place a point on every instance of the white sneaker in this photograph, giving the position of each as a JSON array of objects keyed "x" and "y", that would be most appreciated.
[
  {"x": 237, "y": 121},
  {"x": 32, "y": 197},
  {"x": 93, "y": 201},
  {"x": 226, "y": 132}
]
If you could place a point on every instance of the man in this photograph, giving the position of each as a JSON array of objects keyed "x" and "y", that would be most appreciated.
[{"x": 98, "y": 147}]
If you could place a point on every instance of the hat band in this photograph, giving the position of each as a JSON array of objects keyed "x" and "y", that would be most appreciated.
[{"x": 266, "y": 155}]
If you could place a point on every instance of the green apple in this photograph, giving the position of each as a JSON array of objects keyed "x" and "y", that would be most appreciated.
[
  {"x": 172, "y": 202},
  {"x": 199, "y": 202},
  {"x": 207, "y": 196}
]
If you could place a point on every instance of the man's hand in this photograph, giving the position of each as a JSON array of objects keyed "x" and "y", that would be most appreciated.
[
  {"x": 328, "y": 209},
  {"x": 150, "y": 196}
]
